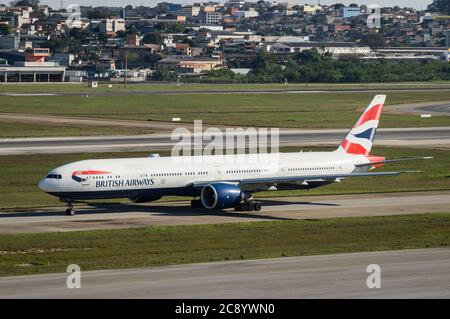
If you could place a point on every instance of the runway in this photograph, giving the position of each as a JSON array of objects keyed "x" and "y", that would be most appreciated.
[
  {"x": 116, "y": 216},
  {"x": 428, "y": 137},
  {"x": 421, "y": 273}
]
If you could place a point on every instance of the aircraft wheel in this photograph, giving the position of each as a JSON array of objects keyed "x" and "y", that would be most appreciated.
[
  {"x": 257, "y": 207},
  {"x": 70, "y": 212}
]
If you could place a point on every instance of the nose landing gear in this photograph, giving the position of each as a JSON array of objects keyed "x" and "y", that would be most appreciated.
[{"x": 69, "y": 211}]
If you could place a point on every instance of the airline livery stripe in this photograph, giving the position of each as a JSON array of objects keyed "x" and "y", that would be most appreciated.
[
  {"x": 367, "y": 134},
  {"x": 371, "y": 114},
  {"x": 353, "y": 148},
  {"x": 90, "y": 172}
]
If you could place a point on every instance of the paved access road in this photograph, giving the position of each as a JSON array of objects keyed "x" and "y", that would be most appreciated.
[
  {"x": 421, "y": 273},
  {"x": 180, "y": 213}
]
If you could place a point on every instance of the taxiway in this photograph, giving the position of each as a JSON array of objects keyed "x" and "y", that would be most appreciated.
[{"x": 113, "y": 216}]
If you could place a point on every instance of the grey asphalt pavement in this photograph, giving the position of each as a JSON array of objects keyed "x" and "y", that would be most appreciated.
[{"x": 421, "y": 273}]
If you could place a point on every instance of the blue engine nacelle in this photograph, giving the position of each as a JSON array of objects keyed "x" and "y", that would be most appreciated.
[{"x": 221, "y": 195}]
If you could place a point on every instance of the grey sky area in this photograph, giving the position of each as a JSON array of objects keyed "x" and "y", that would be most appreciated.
[{"x": 419, "y": 4}]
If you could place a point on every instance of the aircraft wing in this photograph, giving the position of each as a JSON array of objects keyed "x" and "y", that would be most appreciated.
[{"x": 287, "y": 179}]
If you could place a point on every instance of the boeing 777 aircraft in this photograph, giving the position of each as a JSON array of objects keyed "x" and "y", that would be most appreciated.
[{"x": 220, "y": 184}]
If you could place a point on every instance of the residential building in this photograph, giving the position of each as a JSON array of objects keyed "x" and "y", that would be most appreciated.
[
  {"x": 350, "y": 12},
  {"x": 210, "y": 17},
  {"x": 112, "y": 26}
]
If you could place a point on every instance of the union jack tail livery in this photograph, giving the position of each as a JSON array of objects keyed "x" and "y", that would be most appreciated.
[{"x": 360, "y": 138}]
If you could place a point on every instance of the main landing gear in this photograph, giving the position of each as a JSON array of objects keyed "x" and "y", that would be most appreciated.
[{"x": 248, "y": 205}]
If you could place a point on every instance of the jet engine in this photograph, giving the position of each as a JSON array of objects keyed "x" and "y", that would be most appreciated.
[{"x": 221, "y": 195}]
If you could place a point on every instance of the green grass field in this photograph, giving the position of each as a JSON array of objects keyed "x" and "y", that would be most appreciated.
[
  {"x": 316, "y": 110},
  {"x": 108, "y": 249},
  {"x": 13, "y": 130},
  {"x": 20, "y": 174},
  {"x": 152, "y": 87}
]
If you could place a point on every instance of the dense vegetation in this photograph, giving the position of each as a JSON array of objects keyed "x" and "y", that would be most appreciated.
[{"x": 310, "y": 66}]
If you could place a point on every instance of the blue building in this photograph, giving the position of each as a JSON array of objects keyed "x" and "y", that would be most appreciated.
[{"x": 349, "y": 12}]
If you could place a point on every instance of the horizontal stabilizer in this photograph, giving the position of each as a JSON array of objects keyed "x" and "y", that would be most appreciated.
[{"x": 393, "y": 161}]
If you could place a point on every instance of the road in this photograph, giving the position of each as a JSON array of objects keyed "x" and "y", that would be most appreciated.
[
  {"x": 435, "y": 137},
  {"x": 432, "y": 108},
  {"x": 115, "y": 216},
  {"x": 421, "y": 273}
]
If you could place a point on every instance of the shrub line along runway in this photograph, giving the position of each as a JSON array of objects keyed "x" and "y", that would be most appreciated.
[
  {"x": 419, "y": 273},
  {"x": 110, "y": 216}
]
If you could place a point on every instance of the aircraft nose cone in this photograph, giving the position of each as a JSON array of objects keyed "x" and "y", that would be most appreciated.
[{"x": 43, "y": 185}]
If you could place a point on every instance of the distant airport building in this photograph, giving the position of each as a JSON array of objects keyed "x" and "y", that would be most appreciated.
[
  {"x": 32, "y": 72},
  {"x": 30, "y": 66}
]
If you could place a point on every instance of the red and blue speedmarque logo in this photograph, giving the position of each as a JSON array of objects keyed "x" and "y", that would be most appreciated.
[{"x": 78, "y": 176}]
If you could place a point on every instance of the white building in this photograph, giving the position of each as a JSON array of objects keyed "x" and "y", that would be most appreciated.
[
  {"x": 211, "y": 17},
  {"x": 311, "y": 8},
  {"x": 112, "y": 25}
]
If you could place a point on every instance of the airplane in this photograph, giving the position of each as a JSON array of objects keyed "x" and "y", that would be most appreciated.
[{"x": 222, "y": 184}]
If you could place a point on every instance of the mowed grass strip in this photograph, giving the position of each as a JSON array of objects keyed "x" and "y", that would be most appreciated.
[
  {"x": 315, "y": 110},
  {"x": 20, "y": 174},
  {"x": 109, "y": 249},
  {"x": 19, "y": 130},
  {"x": 154, "y": 87}
]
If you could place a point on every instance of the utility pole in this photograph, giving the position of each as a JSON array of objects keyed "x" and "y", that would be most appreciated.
[{"x": 126, "y": 70}]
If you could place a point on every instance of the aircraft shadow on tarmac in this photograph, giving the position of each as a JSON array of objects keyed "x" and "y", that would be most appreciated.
[
  {"x": 279, "y": 202},
  {"x": 101, "y": 208}
]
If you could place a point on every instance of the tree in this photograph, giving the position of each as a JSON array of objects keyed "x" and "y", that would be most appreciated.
[
  {"x": 26, "y": 3},
  {"x": 5, "y": 29},
  {"x": 153, "y": 37},
  {"x": 308, "y": 56},
  {"x": 442, "y": 6}
]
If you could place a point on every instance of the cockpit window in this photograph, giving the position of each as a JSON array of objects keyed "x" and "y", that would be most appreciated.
[{"x": 54, "y": 176}]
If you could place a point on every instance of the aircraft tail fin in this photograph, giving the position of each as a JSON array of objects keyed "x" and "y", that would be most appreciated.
[{"x": 360, "y": 138}]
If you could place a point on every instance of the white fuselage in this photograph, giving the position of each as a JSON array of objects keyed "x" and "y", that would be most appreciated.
[{"x": 160, "y": 176}]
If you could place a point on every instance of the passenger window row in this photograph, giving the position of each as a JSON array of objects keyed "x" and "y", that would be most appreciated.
[
  {"x": 310, "y": 169},
  {"x": 248, "y": 171}
]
